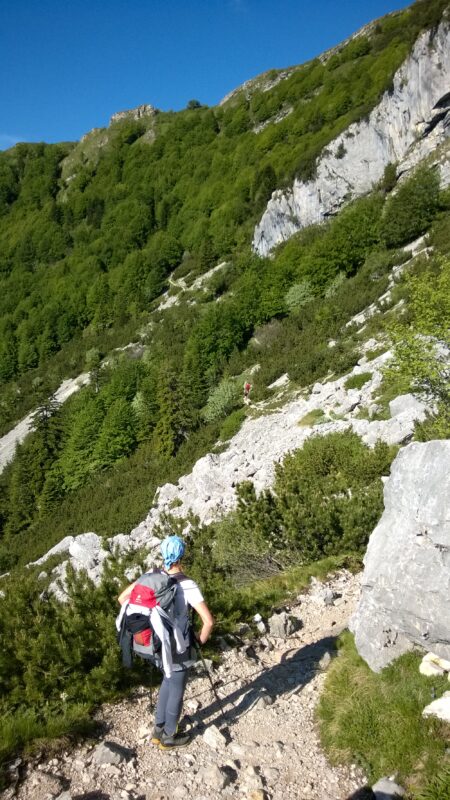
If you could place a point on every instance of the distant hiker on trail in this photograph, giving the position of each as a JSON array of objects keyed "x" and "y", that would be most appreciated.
[
  {"x": 247, "y": 388},
  {"x": 154, "y": 621}
]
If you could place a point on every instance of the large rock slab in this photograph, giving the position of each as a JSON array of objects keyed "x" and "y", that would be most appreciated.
[{"x": 406, "y": 582}]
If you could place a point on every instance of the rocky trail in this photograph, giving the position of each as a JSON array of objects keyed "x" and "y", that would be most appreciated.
[{"x": 267, "y": 747}]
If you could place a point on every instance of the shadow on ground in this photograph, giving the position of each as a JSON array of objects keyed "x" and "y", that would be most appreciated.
[
  {"x": 99, "y": 796},
  {"x": 295, "y": 670}
]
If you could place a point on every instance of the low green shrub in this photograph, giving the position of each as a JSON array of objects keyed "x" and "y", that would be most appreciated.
[
  {"x": 377, "y": 351},
  {"x": 326, "y": 500},
  {"x": 222, "y": 400},
  {"x": 58, "y": 660},
  {"x": 409, "y": 212},
  {"x": 231, "y": 425},
  {"x": 434, "y": 426}
]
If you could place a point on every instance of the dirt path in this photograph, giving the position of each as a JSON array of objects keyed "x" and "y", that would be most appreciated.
[{"x": 269, "y": 747}]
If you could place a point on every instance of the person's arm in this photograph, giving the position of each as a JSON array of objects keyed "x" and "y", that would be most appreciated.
[
  {"x": 207, "y": 620},
  {"x": 125, "y": 595}
]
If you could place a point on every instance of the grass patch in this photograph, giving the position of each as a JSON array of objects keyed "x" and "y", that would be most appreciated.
[
  {"x": 232, "y": 424},
  {"x": 313, "y": 417},
  {"x": 391, "y": 388},
  {"x": 175, "y": 503},
  {"x": 377, "y": 351},
  {"x": 358, "y": 381},
  {"x": 438, "y": 788},
  {"x": 376, "y": 720}
]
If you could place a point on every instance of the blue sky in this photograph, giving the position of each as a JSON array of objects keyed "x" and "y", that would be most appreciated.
[{"x": 67, "y": 65}]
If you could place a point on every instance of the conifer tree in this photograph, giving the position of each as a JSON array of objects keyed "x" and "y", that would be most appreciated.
[
  {"x": 193, "y": 388},
  {"x": 22, "y": 498},
  {"x": 168, "y": 428},
  {"x": 76, "y": 459},
  {"x": 27, "y": 353},
  {"x": 8, "y": 352},
  {"x": 206, "y": 255},
  {"x": 117, "y": 436}
]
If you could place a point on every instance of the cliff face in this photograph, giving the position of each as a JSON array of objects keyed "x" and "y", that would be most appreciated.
[{"x": 409, "y": 122}]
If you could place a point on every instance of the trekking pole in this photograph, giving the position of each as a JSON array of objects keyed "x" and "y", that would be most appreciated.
[
  {"x": 214, "y": 690},
  {"x": 151, "y": 687}
]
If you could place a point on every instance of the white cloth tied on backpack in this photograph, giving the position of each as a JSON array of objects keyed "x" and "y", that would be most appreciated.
[{"x": 157, "y": 618}]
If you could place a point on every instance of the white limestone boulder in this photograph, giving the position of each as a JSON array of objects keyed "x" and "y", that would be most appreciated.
[
  {"x": 406, "y": 581},
  {"x": 410, "y": 404},
  {"x": 439, "y": 708}
]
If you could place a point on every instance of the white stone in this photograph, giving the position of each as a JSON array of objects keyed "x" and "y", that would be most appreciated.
[
  {"x": 85, "y": 550},
  {"x": 431, "y": 664},
  {"x": 214, "y": 738},
  {"x": 62, "y": 547},
  {"x": 214, "y": 777},
  {"x": 387, "y": 789},
  {"x": 110, "y": 753},
  {"x": 283, "y": 380},
  {"x": 439, "y": 708},
  {"x": 252, "y": 780},
  {"x": 409, "y": 403}
]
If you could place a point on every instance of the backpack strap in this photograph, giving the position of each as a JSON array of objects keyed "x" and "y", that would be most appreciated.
[{"x": 178, "y": 577}]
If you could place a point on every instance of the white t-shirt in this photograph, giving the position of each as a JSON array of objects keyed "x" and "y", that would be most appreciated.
[{"x": 188, "y": 594}]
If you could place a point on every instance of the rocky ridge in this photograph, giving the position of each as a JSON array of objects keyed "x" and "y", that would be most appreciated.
[
  {"x": 408, "y": 124},
  {"x": 209, "y": 490}
]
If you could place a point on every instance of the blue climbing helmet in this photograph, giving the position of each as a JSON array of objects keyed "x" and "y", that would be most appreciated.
[{"x": 172, "y": 550}]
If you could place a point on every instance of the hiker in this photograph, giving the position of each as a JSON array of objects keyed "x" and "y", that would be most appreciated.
[
  {"x": 170, "y": 699},
  {"x": 247, "y": 388},
  {"x": 154, "y": 624}
]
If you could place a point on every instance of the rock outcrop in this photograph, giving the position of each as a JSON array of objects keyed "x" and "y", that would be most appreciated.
[
  {"x": 410, "y": 121},
  {"x": 144, "y": 110},
  {"x": 406, "y": 581}
]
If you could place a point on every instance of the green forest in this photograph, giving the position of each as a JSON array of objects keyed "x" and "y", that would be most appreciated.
[{"x": 93, "y": 236}]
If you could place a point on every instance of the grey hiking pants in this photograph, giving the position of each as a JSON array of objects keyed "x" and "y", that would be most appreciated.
[{"x": 170, "y": 701}]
